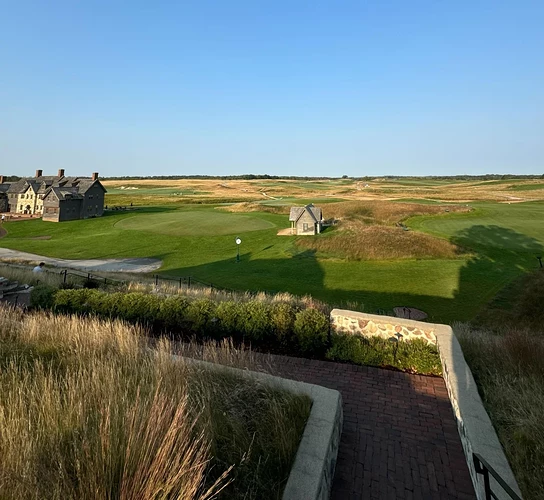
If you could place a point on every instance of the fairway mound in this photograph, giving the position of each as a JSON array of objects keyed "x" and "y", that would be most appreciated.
[{"x": 136, "y": 265}]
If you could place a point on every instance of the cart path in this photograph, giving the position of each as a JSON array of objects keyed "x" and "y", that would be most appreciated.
[{"x": 130, "y": 265}]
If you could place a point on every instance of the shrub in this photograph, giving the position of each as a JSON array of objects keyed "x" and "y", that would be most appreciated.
[
  {"x": 311, "y": 329},
  {"x": 415, "y": 356},
  {"x": 42, "y": 297},
  {"x": 255, "y": 320},
  {"x": 282, "y": 321},
  {"x": 172, "y": 311},
  {"x": 228, "y": 314},
  {"x": 201, "y": 315}
]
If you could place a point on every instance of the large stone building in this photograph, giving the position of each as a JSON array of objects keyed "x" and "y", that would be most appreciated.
[{"x": 54, "y": 198}]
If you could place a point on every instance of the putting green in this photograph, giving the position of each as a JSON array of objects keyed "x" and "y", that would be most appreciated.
[{"x": 196, "y": 223}]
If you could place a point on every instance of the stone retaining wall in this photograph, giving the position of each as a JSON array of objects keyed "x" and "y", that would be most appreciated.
[
  {"x": 370, "y": 325},
  {"x": 473, "y": 423}
]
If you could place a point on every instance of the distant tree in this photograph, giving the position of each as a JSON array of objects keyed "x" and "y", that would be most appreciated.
[{"x": 344, "y": 176}]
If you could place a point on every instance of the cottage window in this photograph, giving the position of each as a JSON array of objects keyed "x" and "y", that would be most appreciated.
[{"x": 305, "y": 226}]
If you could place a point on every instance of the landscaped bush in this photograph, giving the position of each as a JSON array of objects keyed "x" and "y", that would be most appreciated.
[
  {"x": 42, "y": 297},
  {"x": 311, "y": 329},
  {"x": 260, "y": 323},
  {"x": 415, "y": 356},
  {"x": 278, "y": 326}
]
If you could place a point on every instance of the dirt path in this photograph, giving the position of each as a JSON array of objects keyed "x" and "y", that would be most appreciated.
[{"x": 139, "y": 265}]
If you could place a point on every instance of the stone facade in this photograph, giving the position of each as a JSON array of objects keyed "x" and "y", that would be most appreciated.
[{"x": 370, "y": 325}]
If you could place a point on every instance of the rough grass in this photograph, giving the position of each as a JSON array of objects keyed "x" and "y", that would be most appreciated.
[
  {"x": 509, "y": 370},
  {"x": 87, "y": 411},
  {"x": 367, "y": 231},
  {"x": 356, "y": 241},
  {"x": 505, "y": 350},
  {"x": 384, "y": 212}
]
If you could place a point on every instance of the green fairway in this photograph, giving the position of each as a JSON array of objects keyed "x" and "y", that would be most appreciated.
[
  {"x": 196, "y": 240},
  {"x": 527, "y": 187},
  {"x": 197, "y": 223}
]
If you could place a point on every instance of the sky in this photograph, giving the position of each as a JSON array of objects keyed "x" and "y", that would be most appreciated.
[{"x": 282, "y": 87}]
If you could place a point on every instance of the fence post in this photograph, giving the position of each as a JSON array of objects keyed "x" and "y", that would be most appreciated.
[
  {"x": 180, "y": 283},
  {"x": 65, "y": 274},
  {"x": 156, "y": 280},
  {"x": 189, "y": 282}
]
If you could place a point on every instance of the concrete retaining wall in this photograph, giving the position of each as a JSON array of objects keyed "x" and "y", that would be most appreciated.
[
  {"x": 475, "y": 428},
  {"x": 313, "y": 470}
]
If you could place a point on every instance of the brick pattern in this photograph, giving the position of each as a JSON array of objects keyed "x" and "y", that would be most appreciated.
[{"x": 399, "y": 438}]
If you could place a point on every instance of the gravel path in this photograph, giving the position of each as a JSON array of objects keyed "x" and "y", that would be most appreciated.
[{"x": 107, "y": 265}]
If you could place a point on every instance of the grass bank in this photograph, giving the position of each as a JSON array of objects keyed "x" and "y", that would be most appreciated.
[{"x": 88, "y": 412}]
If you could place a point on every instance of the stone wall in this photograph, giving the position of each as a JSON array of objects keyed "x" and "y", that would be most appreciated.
[
  {"x": 370, "y": 325},
  {"x": 473, "y": 423}
]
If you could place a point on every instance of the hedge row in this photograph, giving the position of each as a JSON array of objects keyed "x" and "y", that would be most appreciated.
[
  {"x": 304, "y": 331},
  {"x": 279, "y": 326}
]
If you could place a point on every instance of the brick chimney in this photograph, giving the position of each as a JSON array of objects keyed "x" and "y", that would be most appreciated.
[
  {"x": 94, "y": 177},
  {"x": 39, "y": 173},
  {"x": 1, "y": 179},
  {"x": 61, "y": 172}
]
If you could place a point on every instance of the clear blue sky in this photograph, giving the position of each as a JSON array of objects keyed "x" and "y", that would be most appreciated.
[{"x": 284, "y": 87}]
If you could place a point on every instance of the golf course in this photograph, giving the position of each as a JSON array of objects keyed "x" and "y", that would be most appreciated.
[{"x": 479, "y": 243}]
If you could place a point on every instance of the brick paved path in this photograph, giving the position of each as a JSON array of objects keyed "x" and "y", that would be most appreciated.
[{"x": 399, "y": 438}]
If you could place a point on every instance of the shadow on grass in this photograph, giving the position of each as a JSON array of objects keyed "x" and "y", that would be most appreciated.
[{"x": 500, "y": 255}]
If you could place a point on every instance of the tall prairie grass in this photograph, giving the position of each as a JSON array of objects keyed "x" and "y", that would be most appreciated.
[
  {"x": 509, "y": 370},
  {"x": 88, "y": 411}
]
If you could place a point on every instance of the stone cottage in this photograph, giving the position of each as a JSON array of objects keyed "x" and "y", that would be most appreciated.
[{"x": 306, "y": 220}]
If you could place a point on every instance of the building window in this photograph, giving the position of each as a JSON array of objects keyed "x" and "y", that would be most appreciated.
[{"x": 305, "y": 226}]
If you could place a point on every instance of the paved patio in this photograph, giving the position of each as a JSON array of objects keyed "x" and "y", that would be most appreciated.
[{"x": 399, "y": 439}]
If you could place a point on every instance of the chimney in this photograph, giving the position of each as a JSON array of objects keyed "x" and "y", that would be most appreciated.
[
  {"x": 94, "y": 177},
  {"x": 39, "y": 173},
  {"x": 1, "y": 179},
  {"x": 61, "y": 172}
]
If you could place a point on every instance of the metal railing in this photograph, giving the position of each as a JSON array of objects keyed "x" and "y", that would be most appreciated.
[{"x": 482, "y": 467}]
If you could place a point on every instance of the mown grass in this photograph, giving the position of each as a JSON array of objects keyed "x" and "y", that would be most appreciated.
[
  {"x": 87, "y": 411},
  {"x": 501, "y": 242}
]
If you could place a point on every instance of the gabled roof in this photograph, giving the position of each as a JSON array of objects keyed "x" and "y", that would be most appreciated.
[
  {"x": 17, "y": 187},
  {"x": 64, "y": 193},
  {"x": 4, "y": 187},
  {"x": 296, "y": 212}
]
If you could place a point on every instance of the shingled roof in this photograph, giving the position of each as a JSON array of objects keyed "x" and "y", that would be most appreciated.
[{"x": 296, "y": 212}]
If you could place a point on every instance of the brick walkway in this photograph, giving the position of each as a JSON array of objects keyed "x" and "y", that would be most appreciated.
[{"x": 399, "y": 438}]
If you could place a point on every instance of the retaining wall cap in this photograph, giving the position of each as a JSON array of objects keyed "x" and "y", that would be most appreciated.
[{"x": 378, "y": 318}]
